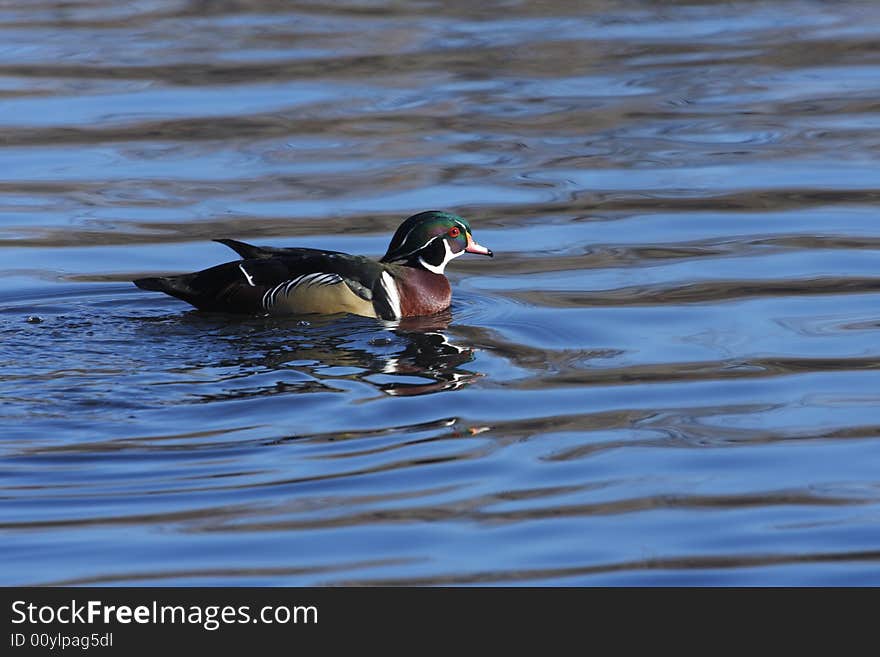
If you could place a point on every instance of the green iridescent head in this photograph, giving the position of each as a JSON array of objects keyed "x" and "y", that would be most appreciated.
[{"x": 429, "y": 240}]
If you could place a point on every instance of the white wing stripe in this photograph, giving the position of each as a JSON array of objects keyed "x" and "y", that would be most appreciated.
[{"x": 248, "y": 277}]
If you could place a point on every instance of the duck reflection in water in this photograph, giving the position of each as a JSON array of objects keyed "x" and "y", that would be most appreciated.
[
  {"x": 428, "y": 353},
  {"x": 408, "y": 357}
]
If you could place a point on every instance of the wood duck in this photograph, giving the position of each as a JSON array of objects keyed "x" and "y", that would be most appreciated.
[{"x": 407, "y": 282}]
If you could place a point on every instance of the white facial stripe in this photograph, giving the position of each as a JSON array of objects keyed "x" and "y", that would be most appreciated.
[
  {"x": 409, "y": 232},
  {"x": 449, "y": 254},
  {"x": 406, "y": 237},
  {"x": 439, "y": 269},
  {"x": 393, "y": 296},
  {"x": 407, "y": 255}
]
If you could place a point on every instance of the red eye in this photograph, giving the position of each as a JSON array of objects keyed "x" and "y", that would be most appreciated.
[{"x": 454, "y": 232}]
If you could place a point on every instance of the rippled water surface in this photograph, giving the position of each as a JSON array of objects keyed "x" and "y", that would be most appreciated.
[{"x": 668, "y": 373}]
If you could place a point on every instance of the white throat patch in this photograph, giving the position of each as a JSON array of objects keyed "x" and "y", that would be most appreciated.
[{"x": 439, "y": 269}]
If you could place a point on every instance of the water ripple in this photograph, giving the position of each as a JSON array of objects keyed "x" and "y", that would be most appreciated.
[{"x": 666, "y": 375}]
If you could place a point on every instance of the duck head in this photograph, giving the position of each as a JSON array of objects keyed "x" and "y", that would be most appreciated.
[{"x": 429, "y": 240}]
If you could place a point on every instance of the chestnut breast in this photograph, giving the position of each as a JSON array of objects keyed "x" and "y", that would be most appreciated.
[{"x": 423, "y": 292}]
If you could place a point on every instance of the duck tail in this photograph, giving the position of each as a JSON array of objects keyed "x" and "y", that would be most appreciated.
[
  {"x": 153, "y": 284},
  {"x": 176, "y": 286}
]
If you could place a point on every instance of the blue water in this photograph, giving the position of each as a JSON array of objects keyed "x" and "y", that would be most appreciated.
[{"x": 668, "y": 374}]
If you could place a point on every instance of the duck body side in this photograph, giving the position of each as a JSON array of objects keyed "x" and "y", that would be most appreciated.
[
  {"x": 408, "y": 281},
  {"x": 282, "y": 282}
]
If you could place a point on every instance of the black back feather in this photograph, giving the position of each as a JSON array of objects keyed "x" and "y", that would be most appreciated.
[{"x": 239, "y": 286}]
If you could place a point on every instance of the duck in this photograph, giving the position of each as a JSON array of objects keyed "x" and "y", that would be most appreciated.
[{"x": 408, "y": 281}]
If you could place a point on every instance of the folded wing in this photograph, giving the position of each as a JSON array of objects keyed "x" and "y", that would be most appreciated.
[{"x": 278, "y": 281}]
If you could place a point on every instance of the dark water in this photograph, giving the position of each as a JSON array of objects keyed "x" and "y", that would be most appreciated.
[{"x": 669, "y": 374}]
